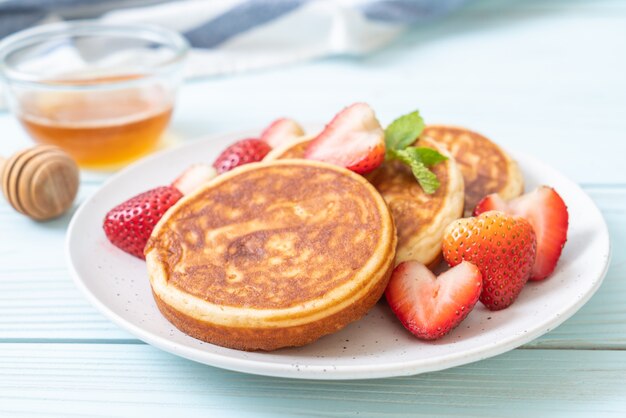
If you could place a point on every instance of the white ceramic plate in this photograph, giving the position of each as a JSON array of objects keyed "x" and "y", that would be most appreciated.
[{"x": 377, "y": 345}]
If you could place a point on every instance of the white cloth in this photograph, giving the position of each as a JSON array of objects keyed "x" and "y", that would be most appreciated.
[{"x": 230, "y": 36}]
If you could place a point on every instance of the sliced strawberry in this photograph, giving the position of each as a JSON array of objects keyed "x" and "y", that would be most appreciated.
[
  {"x": 281, "y": 131},
  {"x": 547, "y": 213},
  {"x": 194, "y": 177},
  {"x": 501, "y": 246},
  {"x": 354, "y": 139},
  {"x": 491, "y": 202},
  {"x": 429, "y": 306},
  {"x": 129, "y": 224},
  {"x": 241, "y": 152}
]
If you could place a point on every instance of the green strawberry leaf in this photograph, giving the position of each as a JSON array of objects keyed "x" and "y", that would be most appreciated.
[
  {"x": 404, "y": 131},
  {"x": 419, "y": 159}
]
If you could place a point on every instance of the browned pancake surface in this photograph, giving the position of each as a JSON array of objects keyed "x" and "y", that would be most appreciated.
[
  {"x": 308, "y": 240},
  {"x": 412, "y": 208},
  {"x": 295, "y": 151},
  {"x": 484, "y": 165}
]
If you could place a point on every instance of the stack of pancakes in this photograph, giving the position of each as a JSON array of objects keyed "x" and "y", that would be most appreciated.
[
  {"x": 282, "y": 252},
  {"x": 475, "y": 168}
]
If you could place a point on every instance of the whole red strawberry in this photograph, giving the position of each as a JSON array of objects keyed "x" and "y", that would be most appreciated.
[
  {"x": 502, "y": 246},
  {"x": 129, "y": 225},
  {"x": 240, "y": 153}
]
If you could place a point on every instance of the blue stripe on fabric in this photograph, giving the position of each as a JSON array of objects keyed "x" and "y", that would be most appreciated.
[
  {"x": 239, "y": 19},
  {"x": 16, "y": 15},
  {"x": 53, "y": 5},
  {"x": 407, "y": 11},
  {"x": 13, "y": 19}
]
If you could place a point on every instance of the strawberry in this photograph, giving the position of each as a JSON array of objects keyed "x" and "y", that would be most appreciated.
[
  {"x": 281, "y": 131},
  {"x": 431, "y": 307},
  {"x": 547, "y": 213},
  {"x": 501, "y": 246},
  {"x": 194, "y": 177},
  {"x": 354, "y": 139},
  {"x": 241, "y": 152},
  {"x": 129, "y": 225}
]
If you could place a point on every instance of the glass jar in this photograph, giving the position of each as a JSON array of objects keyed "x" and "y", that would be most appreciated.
[{"x": 102, "y": 92}]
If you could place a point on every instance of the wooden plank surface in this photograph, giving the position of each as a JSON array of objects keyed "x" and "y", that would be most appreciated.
[{"x": 118, "y": 380}]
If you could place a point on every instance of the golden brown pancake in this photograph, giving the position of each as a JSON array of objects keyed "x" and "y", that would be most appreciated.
[
  {"x": 272, "y": 255},
  {"x": 485, "y": 166},
  {"x": 293, "y": 149},
  {"x": 420, "y": 218}
]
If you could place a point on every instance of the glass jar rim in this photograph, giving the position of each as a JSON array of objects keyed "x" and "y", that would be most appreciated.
[{"x": 68, "y": 29}]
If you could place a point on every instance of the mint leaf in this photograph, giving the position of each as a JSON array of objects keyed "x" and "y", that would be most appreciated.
[
  {"x": 428, "y": 156},
  {"x": 404, "y": 131},
  {"x": 419, "y": 159},
  {"x": 426, "y": 178}
]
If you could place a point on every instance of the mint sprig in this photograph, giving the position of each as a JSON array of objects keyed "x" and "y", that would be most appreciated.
[
  {"x": 419, "y": 159},
  {"x": 403, "y": 131},
  {"x": 399, "y": 136}
]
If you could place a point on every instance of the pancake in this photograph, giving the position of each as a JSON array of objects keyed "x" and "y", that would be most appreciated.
[
  {"x": 272, "y": 255},
  {"x": 420, "y": 218},
  {"x": 291, "y": 149},
  {"x": 486, "y": 167}
]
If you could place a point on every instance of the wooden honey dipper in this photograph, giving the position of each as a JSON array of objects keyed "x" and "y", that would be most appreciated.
[{"x": 41, "y": 182}]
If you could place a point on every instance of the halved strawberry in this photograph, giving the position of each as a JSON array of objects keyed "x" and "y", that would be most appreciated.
[
  {"x": 129, "y": 225},
  {"x": 354, "y": 139},
  {"x": 241, "y": 152},
  {"x": 281, "y": 131},
  {"x": 501, "y": 246},
  {"x": 428, "y": 306},
  {"x": 547, "y": 213},
  {"x": 194, "y": 177}
]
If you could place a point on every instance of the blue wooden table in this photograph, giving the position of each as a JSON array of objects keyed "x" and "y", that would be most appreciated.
[{"x": 545, "y": 77}]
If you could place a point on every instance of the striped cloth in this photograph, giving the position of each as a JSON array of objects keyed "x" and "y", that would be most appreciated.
[{"x": 237, "y": 35}]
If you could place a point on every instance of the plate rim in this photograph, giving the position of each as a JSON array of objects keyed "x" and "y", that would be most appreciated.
[{"x": 328, "y": 372}]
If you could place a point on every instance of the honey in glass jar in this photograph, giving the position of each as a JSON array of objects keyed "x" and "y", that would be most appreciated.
[
  {"x": 103, "y": 92},
  {"x": 98, "y": 128}
]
